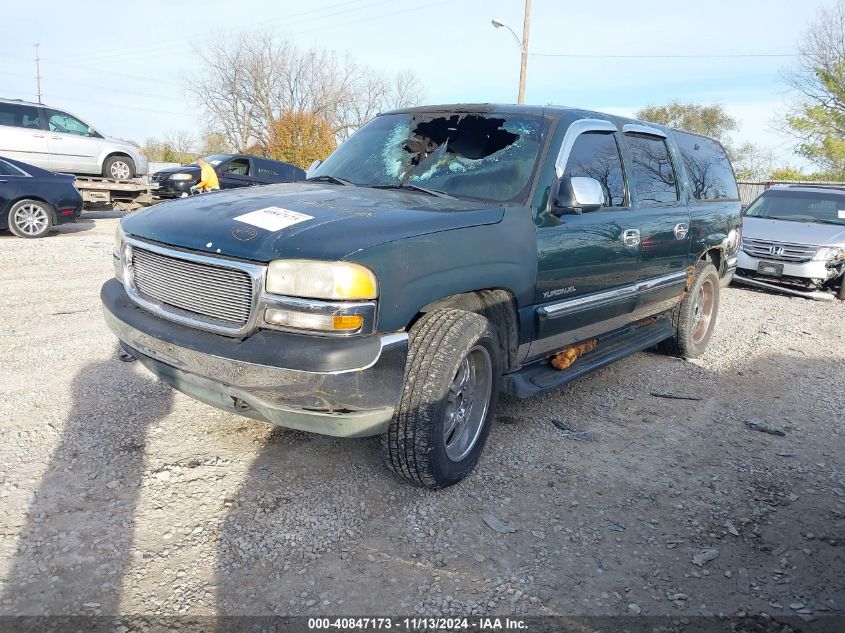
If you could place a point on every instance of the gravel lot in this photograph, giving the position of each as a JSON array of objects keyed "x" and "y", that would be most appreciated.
[{"x": 119, "y": 495}]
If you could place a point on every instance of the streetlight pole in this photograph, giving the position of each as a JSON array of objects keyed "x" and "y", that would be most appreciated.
[
  {"x": 523, "y": 47},
  {"x": 524, "y": 67}
]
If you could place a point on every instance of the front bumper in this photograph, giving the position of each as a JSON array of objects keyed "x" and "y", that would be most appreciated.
[
  {"x": 802, "y": 270},
  {"x": 346, "y": 388},
  {"x": 173, "y": 188}
]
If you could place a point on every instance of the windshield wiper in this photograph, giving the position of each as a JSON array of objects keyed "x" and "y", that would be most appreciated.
[
  {"x": 334, "y": 179},
  {"x": 409, "y": 187}
]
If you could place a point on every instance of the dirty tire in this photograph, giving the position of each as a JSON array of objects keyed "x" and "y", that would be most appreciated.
[
  {"x": 690, "y": 341},
  {"x": 119, "y": 167},
  {"x": 840, "y": 294},
  {"x": 440, "y": 344},
  {"x": 30, "y": 218}
]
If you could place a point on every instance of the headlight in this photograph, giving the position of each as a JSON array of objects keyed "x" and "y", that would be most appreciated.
[
  {"x": 119, "y": 234},
  {"x": 182, "y": 177},
  {"x": 826, "y": 253},
  {"x": 321, "y": 280}
]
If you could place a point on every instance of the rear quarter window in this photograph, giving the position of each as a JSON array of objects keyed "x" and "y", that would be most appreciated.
[
  {"x": 15, "y": 115},
  {"x": 708, "y": 167}
]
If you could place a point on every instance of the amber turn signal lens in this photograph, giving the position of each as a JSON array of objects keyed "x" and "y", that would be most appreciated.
[{"x": 347, "y": 323}]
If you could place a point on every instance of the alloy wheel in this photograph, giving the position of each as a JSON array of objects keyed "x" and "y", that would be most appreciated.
[
  {"x": 702, "y": 313},
  {"x": 31, "y": 219},
  {"x": 467, "y": 403},
  {"x": 120, "y": 170}
]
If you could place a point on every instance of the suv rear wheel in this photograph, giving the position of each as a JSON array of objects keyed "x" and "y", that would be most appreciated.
[
  {"x": 119, "y": 167},
  {"x": 452, "y": 378},
  {"x": 695, "y": 316},
  {"x": 30, "y": 218}
]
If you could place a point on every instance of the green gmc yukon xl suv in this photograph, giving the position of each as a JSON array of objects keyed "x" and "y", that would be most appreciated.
[{"x": 440, "y": 256}]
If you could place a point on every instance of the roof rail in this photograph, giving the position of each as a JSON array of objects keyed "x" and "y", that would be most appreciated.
[{"x": 836, "y": 186}]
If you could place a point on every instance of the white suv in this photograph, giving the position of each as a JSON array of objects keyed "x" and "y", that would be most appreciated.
[{"x": 55, "y": 140}]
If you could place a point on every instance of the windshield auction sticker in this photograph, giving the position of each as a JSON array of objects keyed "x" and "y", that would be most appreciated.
[{"x": 273, "y": 218}]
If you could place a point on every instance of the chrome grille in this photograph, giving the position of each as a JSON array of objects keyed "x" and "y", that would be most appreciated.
[
  {"x": 779, "y": 251},
  {"x": 220, "y": 295}
]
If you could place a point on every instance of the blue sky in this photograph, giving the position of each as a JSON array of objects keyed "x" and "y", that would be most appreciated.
[{"x": 119, "y": 66}]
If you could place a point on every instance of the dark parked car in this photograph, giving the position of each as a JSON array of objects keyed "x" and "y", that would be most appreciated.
[
  {"x": 32, "y": 199},
  {"x": 438, "y": 257},
  {"x": 233, "y": 170}
]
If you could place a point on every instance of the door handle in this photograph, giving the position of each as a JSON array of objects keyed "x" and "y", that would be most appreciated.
[
  {"x": 631, "y": 237},
  {"x": 681, "y": 230}
]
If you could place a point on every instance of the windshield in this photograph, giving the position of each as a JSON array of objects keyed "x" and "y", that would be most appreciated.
[
  {"x": 800, "y": 206},
  {"x": 216, "y": 159},
  {"x": 482, "y": 156}
]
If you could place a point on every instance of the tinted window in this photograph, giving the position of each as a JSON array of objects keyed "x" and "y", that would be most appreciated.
[
  {"x": 62, "y": 122},
  {"x": 799, "y": 206},
  {"x": 652, "y": 174},
  {"x": 596, "y": 155},
  {"x": 238, "y": 167},
  {"x": 19, "y": 116},
  {"x": 708, "y": 167}
]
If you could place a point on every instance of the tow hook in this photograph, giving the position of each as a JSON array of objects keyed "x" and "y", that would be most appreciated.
[{"x": 240, "y": 405}]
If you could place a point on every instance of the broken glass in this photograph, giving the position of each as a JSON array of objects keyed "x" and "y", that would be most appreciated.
[{"x": 462, "y": 154}]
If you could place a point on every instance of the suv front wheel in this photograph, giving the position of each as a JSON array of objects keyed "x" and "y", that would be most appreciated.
[
  {"x": 695, "y": 316},
  {"x": 452, "y": 379}
]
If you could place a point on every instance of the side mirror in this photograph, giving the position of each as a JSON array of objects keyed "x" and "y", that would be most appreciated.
[
  {"x": 91, "y": 131},
  {"x": 312, "y": 167},
  {"x": 577, "y": 195}
]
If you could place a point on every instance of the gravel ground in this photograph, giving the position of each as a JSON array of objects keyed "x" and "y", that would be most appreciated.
[{"x": 119, "y": 495}]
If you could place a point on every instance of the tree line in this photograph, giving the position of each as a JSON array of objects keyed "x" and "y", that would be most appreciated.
[{"x": 260, "y": 94}]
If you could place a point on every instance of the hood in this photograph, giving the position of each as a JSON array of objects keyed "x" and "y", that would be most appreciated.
[
  {"x": 310, "y": 221},
  {"x": 793, "y": 232},
  {"x": 182, "y": 169}
]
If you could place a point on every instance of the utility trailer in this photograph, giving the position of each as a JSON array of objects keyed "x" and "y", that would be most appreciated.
[{"x": 120, "y": 195}]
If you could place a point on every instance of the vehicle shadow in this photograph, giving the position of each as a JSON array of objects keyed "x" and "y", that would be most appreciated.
[{"x": 80, "y": 521}]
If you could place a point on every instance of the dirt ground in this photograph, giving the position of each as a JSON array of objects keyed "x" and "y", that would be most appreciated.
[{"x": 119, "y": 495}]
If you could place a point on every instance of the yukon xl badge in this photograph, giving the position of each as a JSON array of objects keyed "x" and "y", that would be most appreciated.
[
  {"x": 557, "y": 293},
  {"x": 244, "y": 233}
]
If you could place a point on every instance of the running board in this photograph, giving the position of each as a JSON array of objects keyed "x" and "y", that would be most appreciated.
[
  {"x": 541, "y": 376},
  {"x": 818, "y": 295}
]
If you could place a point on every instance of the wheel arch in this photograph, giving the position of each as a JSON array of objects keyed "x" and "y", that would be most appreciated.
[
  {"x": 114, "y": 153},
  {"x": 716, "y": 256},
  {"x": 498, "y": 305}
]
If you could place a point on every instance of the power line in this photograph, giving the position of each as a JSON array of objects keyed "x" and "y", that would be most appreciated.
[
  {"x": 323, "y": 13},
  {"x": 697, "y": 56}
]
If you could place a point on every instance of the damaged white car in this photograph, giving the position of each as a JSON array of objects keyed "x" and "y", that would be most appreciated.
[{"x": 793, "y": 241}]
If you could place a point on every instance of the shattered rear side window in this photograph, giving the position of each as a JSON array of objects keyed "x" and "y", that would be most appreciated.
[{"x": 472, "y": 155}]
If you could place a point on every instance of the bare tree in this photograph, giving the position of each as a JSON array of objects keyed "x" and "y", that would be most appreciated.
[
  {"x": 182, "y": 142},
  {"x": 251, "y": 80}
]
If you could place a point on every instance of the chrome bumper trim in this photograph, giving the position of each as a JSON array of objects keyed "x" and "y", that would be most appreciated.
[{"x": 352, "y": 403}]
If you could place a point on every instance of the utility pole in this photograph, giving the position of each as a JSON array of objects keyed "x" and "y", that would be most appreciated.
[
  {"x": 524, "y": 68},
  {"x": 38, "y": 72}
]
